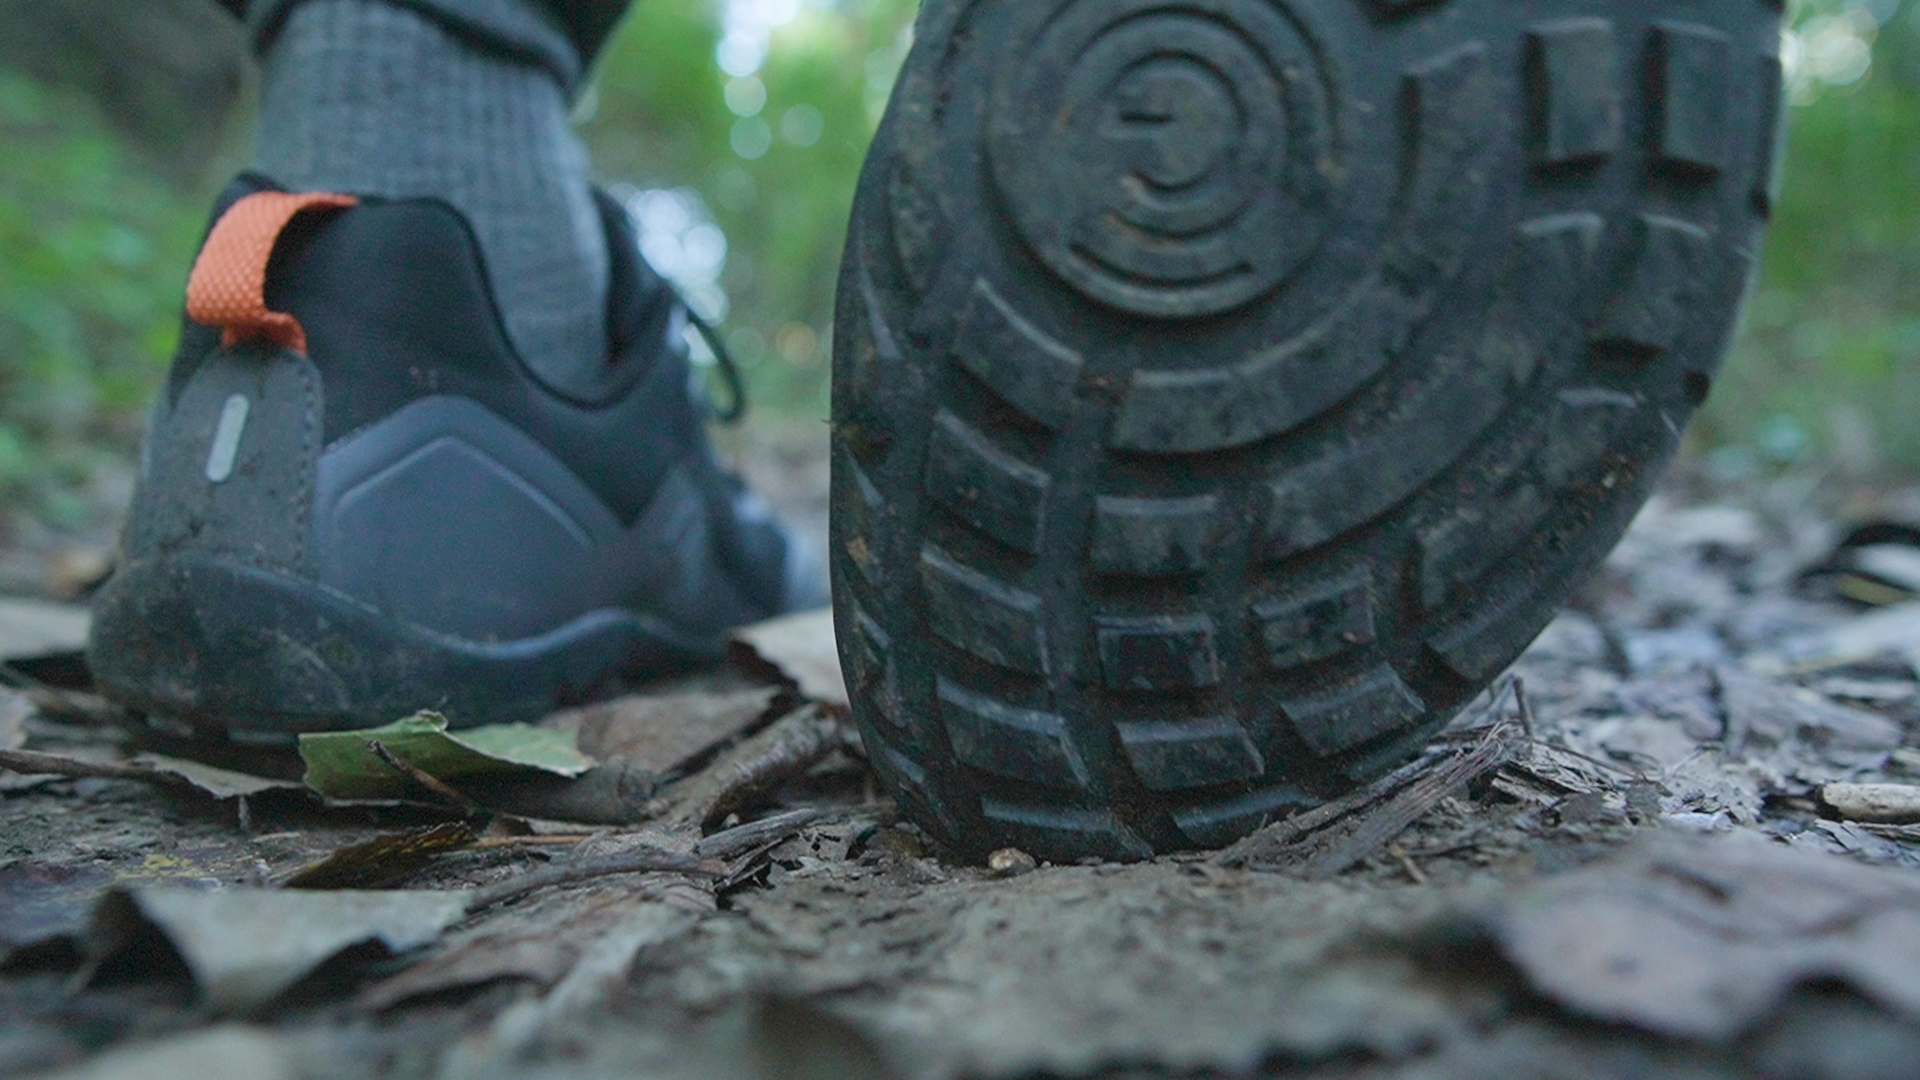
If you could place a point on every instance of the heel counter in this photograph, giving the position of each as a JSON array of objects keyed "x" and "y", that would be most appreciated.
[{"x": 228, "y": 467}]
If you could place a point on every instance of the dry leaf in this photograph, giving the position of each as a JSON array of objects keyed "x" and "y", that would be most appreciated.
[
  {"x": 14, "y": 710},
  {"x": 342, "y": 764},
  {"x": 41, "y": 902},
  {"x": 245, "y": 947},
  {"x": 802, "y": 648},
  {"x": 662, "y": 734},
  {"x": 382, "y": 861},
  {"x": 32, "y": 629},
  {"x": 226, "y": 1052},
  {"x": 167, "y": 772},
  {"x": 1701, "y": 937}
]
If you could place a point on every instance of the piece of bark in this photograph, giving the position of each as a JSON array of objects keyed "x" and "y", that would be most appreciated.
[
  {"x": 1880, "y": 804},
  {"x": 217, "y": 1053},
  {"x": 603, "y": 968},
  {"x": 537, "y": 955},
  {"x": 611, "y": 793},
  {"x": 1275, "y": 838},
  {"x": 1889, "y": 631},
  {"x": 537, "y": 942},
  {"x": 1502, "y": 744}
]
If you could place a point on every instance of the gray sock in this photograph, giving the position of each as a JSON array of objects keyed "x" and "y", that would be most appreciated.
[{"x": 368, "y": 98}]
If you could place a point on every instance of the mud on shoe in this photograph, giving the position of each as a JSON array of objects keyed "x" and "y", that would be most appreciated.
[
  {"x": 356, "y": 501},
  {"x": 1226, "y": 391}
]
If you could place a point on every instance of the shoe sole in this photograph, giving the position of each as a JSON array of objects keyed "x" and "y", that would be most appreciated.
[
  {"x": 231, "y": 650},
  {"x": 1227, "y": 391}
]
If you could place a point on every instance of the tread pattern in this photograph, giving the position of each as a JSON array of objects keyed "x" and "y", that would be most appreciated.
[
  {"x": 1226, "y": 391},
  {"x": 1649, "y": 311},
  {"x": 1374, "y": 705},
  {"x": 1020, "y": 744},
  {"x": 995, "y": 492},
  {"x": 872, "y": 672},
  {"x": 1175, "y": 755},
  {"x": 1219, "y": 823},
  {"x": 1573, "y": 68},
  {"x": 1693, "y": 84},
  {"x": 1153, "y": 537},
  {"x": 1325, "y": 619},
  {"x": 996, "y": 623},
  {"x": 1286, "y": 384},
  {"x": 1064, "y": 833},
  {"x": 1157, "y": 652},
  {"x": 1022, "y": 364},
  {"x": 864, "y": 512}
]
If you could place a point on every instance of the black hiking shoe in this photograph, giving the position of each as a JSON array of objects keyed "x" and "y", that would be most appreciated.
[
  {"x": 357, "y": 502},
  {"x": 1226, "y": 391}
]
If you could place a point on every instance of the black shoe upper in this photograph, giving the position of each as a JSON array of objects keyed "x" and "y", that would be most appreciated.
[{"x": 394, "y": 300}]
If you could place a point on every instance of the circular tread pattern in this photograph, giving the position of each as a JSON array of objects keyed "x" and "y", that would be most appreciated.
[
  {"x": 1164, "y": 158},
  {"x": 1227, "y": 390}
]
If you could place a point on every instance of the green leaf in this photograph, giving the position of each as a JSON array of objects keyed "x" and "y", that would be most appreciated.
[{"x": 342, "y": 765}]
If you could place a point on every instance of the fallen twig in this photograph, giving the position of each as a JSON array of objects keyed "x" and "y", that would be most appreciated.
[
  {"x": 488, "y": 843},
  {"x": 1526, "y": 708},
  {"x": 639, "y": 860},
  {"x": 756, "y": 767},
  {"x": 434, "y": 784},
  {"x": 1414, "y": 873},
  {"x": 34, "y": 763},
  {"x": 776, "y": 829},
  {"x": 75, "y": 705},
  {"x": 55, "y": 702}
]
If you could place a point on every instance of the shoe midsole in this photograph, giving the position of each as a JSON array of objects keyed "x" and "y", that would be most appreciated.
[{"x": 219, "y": 644}]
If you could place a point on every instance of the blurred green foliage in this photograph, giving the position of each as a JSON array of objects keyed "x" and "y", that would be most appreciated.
[
  {"x": 93, "y": 256},
  {"x": 773, "y": 151},
  {"x": 764, "y": 109},
  {"x": 1828, "y": 364}
]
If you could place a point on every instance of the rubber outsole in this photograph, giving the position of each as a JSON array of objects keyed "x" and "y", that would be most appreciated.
[
  {"x": 235, "y": 650},
  {"x": 1226, "y": 391}
]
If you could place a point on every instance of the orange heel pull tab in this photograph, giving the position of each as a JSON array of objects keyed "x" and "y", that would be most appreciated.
[{"x": 228, "y": 288}]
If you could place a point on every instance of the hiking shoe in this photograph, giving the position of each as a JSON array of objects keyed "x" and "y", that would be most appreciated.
[
  {"x": 356, "y": 501},
  {"x": 1226, "y": 391}
]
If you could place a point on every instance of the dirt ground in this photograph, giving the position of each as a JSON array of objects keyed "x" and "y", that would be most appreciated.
[{"x": 1631, "y": 860}]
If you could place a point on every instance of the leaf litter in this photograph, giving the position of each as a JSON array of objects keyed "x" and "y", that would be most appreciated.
[
  {"x": 347, "y": 765},
  {"x": 1683, "y": 823}
]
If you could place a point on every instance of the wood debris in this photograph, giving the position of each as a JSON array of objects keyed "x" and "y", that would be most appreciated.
[
  {"x": 757, "y": 767},
  {"x": 1880, "y": 804}
]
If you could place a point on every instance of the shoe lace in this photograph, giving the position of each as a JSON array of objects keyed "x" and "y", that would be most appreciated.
[{"x": 736, "y": 408}]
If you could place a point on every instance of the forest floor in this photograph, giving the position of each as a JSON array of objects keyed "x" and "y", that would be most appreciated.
[{"x": 1648, "y": 854}]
